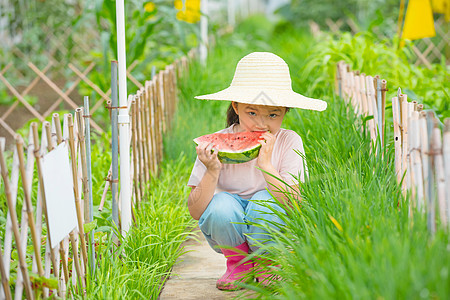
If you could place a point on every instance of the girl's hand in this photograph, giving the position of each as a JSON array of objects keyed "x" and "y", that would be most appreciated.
[
  {"x": 210, "y": 161},
  {"x": 265, "y": 153}
]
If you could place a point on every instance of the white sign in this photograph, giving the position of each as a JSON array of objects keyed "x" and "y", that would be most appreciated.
[{"x": 59, "y": 195}]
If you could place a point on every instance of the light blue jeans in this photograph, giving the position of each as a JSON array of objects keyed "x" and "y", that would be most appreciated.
[{"x": 225, "y": 222}]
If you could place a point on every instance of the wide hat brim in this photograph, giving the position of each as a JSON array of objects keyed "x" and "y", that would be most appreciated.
[{"x": 270, "y": 97}]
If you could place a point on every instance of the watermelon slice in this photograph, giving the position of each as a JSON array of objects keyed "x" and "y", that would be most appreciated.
[{"x": 234, "y": 148}]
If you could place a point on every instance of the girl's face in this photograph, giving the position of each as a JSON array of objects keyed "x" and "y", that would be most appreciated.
[{"x": 259, "y": 117}]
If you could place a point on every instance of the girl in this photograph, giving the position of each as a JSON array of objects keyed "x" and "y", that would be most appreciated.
[{"x": 222, "y": 194}]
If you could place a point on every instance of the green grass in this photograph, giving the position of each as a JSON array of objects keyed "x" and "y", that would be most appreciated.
[
  {"x": 347, "y": 238},
  {"x": 140, "y": 266}
]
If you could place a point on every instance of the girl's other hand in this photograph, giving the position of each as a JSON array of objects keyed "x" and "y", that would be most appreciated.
[
  {"x": 209, "y": 159},
  {"x": 265, "y": 153}
]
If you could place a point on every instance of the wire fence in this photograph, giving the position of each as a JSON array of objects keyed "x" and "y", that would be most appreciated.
[{"x": 421, "y": 142}]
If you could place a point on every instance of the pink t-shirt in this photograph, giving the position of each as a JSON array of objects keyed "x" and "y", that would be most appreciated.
[{"x": 245, "y": 179}]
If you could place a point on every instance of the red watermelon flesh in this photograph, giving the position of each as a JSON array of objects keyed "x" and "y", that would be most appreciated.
[
  {"x": 231, "y": 142},
  {"x": 234, "y": 147}
]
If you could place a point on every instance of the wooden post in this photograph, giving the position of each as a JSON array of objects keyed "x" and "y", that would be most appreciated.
[
  {"x": 15, "y": 228},
  {"x": 73, "y": 155}
]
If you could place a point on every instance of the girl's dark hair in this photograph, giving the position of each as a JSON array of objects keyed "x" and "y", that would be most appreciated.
[{"x": 233, "y": 118}]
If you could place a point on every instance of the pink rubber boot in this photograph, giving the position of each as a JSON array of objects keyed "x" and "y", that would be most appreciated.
[
  {"x": 236, "y": 268},
  {"x": 264, "y": 277}
]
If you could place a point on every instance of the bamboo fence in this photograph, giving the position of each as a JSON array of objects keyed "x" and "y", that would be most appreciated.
[
  {"x": 72, "y": 250},
  {"x": 422, "y": 151},
  {"x": 151, "y": 110}
]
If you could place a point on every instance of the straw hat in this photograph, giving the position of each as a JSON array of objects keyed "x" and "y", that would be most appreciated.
[{"x": 262, "y": 78}]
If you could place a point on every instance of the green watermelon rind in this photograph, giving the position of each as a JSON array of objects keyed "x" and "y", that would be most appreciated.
[{"x": 237, "y": 158}]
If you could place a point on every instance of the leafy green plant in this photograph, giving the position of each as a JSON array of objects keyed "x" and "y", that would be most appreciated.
[{"x": 365, "y": 53}]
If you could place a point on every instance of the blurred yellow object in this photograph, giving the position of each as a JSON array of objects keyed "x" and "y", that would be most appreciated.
[
  {"x": 191, "y": 13},
  {"x": 149, "y": 7},
  {"x": 178, "y": 4},
  {"x": 442, "y": 7},
  {"x": 418, "y": 21}
]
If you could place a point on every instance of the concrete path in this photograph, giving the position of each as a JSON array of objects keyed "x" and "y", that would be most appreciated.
[{"x": 195, "y": 274}]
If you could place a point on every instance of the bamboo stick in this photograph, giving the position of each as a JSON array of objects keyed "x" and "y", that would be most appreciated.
[
  {"x": 37, "y": 154},
  {"x": 76, "y": 261},
  {"x": 431, "y": 207},
  {"x": 362, "y": 93},
  {"x": 27, "y": 197},
  {"x": 145, "y": 125},
  {"x": 420, "y": 107},
  {"x": 105, "y": 189},
  {"x": 141, "y": 128},
  {"x": 57, "y": 123},
  {"x": 14, "y": 222},
  {"x": 158, "y": 123},
  {"x": 153, "y": 127},
  {"x": 374, "y": 105},
  {"x": 416, "y": 161},
  {"x": 436, "y": 148},
  {"x": 409, "y": 170},
  {"x": 339, "y": 78},
  {"x": 134, "y": 152},
  {"x": 140, "y": 152},
  {"x": 50, "y": 147},
  {"x": 149, "y": 129},
  {"x": 425, "y": 156},
  {"x": 397, "y": 138},
  {"x": 62, "y": 248},
  {"x": 446, "y": 155},
  {"x": 82, "y": 153},
  {"x": 73, "y": 155},
  {"x": 404, "y": 128},
  {"x": 411, "y": 174},
  {"x": 5, "y": 281},
  {"x": 358, "y": 94},
  {"x": 369, "y": 97},
  {"x": 383, "y": 110},
  {"x": 161, "y": 101}
]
